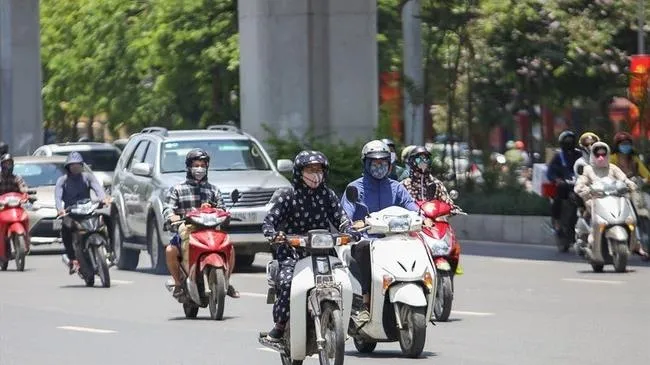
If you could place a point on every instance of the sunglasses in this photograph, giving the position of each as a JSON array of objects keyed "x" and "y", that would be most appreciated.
[
  {"x": 600, "y": 153},
  {"x": 421, "y": 159}
]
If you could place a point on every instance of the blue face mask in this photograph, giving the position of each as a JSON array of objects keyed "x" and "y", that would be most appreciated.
[
  {"x": 625, "y": 148},
  {"x": 378, "y": 170}
]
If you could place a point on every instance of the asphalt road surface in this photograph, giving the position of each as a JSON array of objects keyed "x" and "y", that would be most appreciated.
[{"x": 516, "y": 304}]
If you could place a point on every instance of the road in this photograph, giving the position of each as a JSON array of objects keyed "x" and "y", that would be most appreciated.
[{"x": 516, "y": 304}]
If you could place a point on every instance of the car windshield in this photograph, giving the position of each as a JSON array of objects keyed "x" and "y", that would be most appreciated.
[
  {"x": 39, "y": 174},
  {"x": 225, "y": 155},
  {"x": 98, "y": 160}
]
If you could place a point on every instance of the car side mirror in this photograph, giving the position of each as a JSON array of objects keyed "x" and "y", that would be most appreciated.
[
  {"x": 453, "y": 194},
  {"x": 285, "y": 165},
  {"x": 141, "y": 169},
  {"x": 235, "y": 195},
  {"x": 352, "y": 194}
]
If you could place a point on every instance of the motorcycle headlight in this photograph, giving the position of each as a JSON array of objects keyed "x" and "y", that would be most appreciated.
[
  {"x": 322, "y": 241},
  {"x": 399, "y": 224},
  {"x": 207, "y": 220},
  {"x": 11, "y": 201}
]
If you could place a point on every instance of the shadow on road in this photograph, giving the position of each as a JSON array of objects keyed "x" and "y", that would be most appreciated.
[
  {"x": 530, "y": 252},
  {"x": 386, "y": 354},
  {"x": 81, "y": 286},
  {"x": 201, "y": 318}
]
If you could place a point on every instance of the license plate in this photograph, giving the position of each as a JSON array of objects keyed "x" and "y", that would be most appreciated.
[
  {"x": 56, "y": 225},
  {"x": 247, "y": 217}
]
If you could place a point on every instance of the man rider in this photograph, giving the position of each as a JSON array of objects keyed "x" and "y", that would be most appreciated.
[
  {"x": 194, "y": 193},
  {"x": 599, "y": 168},
  {"x": 377, "y": 192},
  {"x": 309, "y": 205},
  {"x": 393, "y": 159},
  {"x": 70, "y": 188},
  {"x": 559, "y": 170}
]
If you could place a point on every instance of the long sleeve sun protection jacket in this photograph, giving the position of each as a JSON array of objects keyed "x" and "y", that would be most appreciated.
[{"x": 377, "y": 195}]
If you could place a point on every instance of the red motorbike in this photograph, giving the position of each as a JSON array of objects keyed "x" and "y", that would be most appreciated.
[
  {"x": 211, "y": 260},
  {"x": 14, "y": 229},
  {"x": 439, "y": 237}
]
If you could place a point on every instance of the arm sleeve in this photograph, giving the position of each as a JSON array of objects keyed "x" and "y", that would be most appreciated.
[
  {"x": 442, "y": 193},
  {"x": 275, "y": 216},
  {"x": 171, "y": 202},
  {"x": 620, "y": 175},
  {"x": 96, "y": 186},
  {"x": 20, "y": 182},
  {"x": 58, "y": 193},
  {"x": 551, "y": 172},
  {"x": 404, "y": 199},
  {"x": 582, "y": 186},
  {"x": 336, "y": 214},
  {"x": 348, "y": 207}
]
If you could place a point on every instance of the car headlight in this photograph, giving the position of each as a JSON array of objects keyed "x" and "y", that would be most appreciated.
[
  {"x": 399, "y": 224},
  {"x": 322, "y": 241}
]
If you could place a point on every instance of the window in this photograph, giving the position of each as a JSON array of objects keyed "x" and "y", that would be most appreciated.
[
  {"x": 150, "y": 157},
  {"x": 39, "y": 174},
  {"x": 225, "y": 155},
  {"x": 138, "y": 155},
  {"x": 98, "y": 160}
]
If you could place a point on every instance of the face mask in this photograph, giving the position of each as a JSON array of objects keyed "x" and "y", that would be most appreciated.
[
  {"x": 600, "y": 161},
  {"x": 393, "y": 157},
  {"x": 198, "y": 173},
  {"x": 379, "y": 170},
  {"x": 312, "y": 179},
  {"x": 75, "y": 169},
  {"x": 567, "y": 145},
  {"x": 625, "y": 148}
]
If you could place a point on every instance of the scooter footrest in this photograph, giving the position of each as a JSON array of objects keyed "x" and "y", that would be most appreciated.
[{"x": 277, "y": 346}]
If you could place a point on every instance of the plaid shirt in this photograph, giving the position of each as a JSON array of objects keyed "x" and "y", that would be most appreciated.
[
  {"x": 12, "y": 184},
  {"x": 189, "y": 195}
]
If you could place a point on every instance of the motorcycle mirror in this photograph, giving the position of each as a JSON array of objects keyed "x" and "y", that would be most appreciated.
[
  {"x": 352, "y": 194},
  {"x": 235, "y": 195},
  {"x": 453, "y": 194},
  {"x": 31, "y": 192}
]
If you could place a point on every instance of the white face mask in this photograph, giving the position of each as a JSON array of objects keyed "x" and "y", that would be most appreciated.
[
  {"x": 198, "y": 172},
  {"x": 312, "y": 179}
]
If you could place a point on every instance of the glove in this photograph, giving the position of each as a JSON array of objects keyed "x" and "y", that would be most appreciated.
[{"x": 356, "y": 235}]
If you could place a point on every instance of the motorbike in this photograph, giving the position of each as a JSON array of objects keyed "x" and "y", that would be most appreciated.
[
  {"x": 612, "y": 225},
  {"x": 14, "y": 229},
  {"x": 441, "y": 240},
  {"x": 403, "y": 281},
  {"x": 89, "y": 241},
  {"x": 321, "y": 293},
  {"x": 210, "y": 259},
  {"x": 639, "y": 200}
]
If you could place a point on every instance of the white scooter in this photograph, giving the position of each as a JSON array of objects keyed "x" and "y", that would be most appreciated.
[
  {"x": 612, "y": 225},
  {"x": 321, "y": 282},
  {"x": 640, "y": 199},
  {"x": 403, "y": 284}
]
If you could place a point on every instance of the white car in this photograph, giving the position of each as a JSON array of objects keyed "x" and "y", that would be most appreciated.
[{"x": 100, "y": 157}]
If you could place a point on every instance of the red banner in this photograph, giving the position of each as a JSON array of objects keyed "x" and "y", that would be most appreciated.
[
  {"x": 390, "y": 95},
  {"x": 639, "y": 67}
]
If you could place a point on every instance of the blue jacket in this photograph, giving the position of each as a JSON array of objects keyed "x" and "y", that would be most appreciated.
[
  {"x": 377, "y": 195},
  {"x": 562, "y": 165}
]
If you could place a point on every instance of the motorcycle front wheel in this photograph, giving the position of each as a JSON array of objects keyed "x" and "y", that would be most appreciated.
[
  {"x": 331, "y": 321},
  {"x": 20, "y": 248},
  {"x": 444, "y": 297},
  {"x": 414, "y": 333},
  {"x": 99, "y": 254},
  {"x": 621, "y": 254},
  {"x": 217, "y": 284}
]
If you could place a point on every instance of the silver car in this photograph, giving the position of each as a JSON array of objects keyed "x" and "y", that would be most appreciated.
[
  {"x": 154, "y": 160},
  {"x": 41, "y": 174},
  {"x": 101, "y": 157}
]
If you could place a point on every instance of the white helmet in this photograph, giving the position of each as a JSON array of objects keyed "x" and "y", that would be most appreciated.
[{"x": 375, "y": 150}]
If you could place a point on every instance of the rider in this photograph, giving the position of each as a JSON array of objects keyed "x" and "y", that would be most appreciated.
[
  {"x": 393, "y": 159},
  {"x": 627, "y": 158},
  {"x": 10, "y": 183},
  {"x": 309, "y": 205},
  {"x": 70, "y": 188},
  {"x": 195, "y": 192},
  {"x": 560, "y": 169},
  {"x": 377, "y": 192},
  {"x": 598, "y": 168},
  {"x": 586, "y": 140}
]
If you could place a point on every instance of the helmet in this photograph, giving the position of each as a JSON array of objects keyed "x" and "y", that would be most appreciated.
[
  {"x": 417, "y": 150},
  {"x": 305, "y": 158},
  {"x": 510, "y": 145},
  {"x": 519, "y": 145},
  {"x": 375, "y": 150},
  {"x": 587, "y": 139},
  {"x": 406, "y": 151},
  {"x": 4, "y": 148},
  {"x": 594, "y": 161},
  {"x": 622, "y": 136},
  {"x": 566, "y": 134},
  {"x": 73, "y": 158},
  {"x": 389, "y": 143},
  {"x": 196, "y": 154},
  {"x": 4, "y": 158}
]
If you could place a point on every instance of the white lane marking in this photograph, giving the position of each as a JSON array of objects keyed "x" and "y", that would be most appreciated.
[
  {"x": 467, "y": 313},
  {"x": 275, "y": 352},
  {"x": 594, "y": 281},
  {"x": 85, "y": 329},
  {"x": 255, "y": 295},
  {"x": 121, "y": 281}
]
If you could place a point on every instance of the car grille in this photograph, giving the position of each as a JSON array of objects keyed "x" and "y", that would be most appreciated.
[
  {"x": 257, "y": 198},
  {"x": 44, "y": 228},
  {"x": 249, "y": 228}
]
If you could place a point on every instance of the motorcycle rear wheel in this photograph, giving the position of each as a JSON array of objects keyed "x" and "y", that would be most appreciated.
[
  {"x": 331, "y": 321},
  {"x": 20, "y": 248},
  {"x": 217, "y": 284},
  {"x": 4, "y": 266}
]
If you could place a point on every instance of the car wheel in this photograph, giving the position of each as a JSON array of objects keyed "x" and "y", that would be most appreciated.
[
  {"x": 125, "y": 259},
  {"x": 156, "y": 249}
]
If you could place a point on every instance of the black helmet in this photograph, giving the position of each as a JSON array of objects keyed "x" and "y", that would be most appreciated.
[
  {"x": 196, "y": 154},
  {"x": 4, "y": 158},
  {"x": 4, "y": 148},
  {"x": 389, "y": 142},
  {"x": 305, "y": 158}
]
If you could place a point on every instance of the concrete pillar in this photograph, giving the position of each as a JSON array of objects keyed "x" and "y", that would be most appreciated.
[
  {"x": 309, "y": 65},
  {"x": 21, "y": 110}
]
